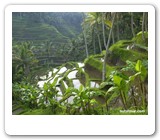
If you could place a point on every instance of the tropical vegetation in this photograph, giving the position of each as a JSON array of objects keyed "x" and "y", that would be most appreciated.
[{"x": 80, "y": 63}]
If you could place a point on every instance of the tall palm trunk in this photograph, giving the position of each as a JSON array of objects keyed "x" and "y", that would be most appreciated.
[
  {"x": 113, "y": 41},
  {"x": 143, "y": 22},
  {"x": 105, "y": 57},
  {"x": 93, "y": 40},
  {"x": 26, "y": 69},
  {"x": 99, "y": 40},
  {"x": 117, "y": 28},
  {"x": 103, "y": 29},
  {"x": 85, "y": 40},
  {"x": 132, "y": 28}
]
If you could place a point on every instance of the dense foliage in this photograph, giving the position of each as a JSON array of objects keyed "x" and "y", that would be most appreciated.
[{"x": 80, "y": 63}]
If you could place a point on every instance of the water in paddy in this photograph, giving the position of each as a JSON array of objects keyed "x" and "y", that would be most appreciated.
[{"x": 72, "y": 75}]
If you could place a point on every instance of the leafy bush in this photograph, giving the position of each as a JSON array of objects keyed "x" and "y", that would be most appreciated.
[{"x": 26, "y": 94}]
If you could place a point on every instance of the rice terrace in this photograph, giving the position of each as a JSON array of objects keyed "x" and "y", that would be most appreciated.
[{"x": 76, "y": 63}]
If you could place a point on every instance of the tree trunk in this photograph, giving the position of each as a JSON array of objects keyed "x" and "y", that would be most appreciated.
[
  {"x": 26, "y": 69},
  {"x": 132, "y": 28},
  {"x": 143, "y": 21},
  {"x": 85, "y": 41},
  {"x": 103, "y": 29},
  {"x": 146, "y": 21},
  {"x": 93, "y": 37},
  {"x": 105, "y": 57},
  {"x": 113, "y": 38},
  {"x": 117, "y": 28},
  {"x": 134, "y": 100},
  {"x": 99, "y": 41}
]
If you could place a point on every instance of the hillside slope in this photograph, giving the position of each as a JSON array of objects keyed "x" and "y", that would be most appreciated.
[{"x": 56, "y": 27}]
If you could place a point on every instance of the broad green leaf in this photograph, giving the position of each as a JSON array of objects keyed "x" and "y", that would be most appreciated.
[
  {"x": 93, "y": 101},
  {"x": 143, "y": 73},
  {"x": 71, "y": 90},
  {"x": 84, "y": 95},
  {"x": 87, "y": 80},
  {"x": 117, "y": 80},
  {"x": 45, "y": 86},
  {"x": 55, "y": 82},
  {"x": 112, "y": 89},
  {"x": 52, "y": 101},
  {"x": 97, "y": 93},
  {"x": 138, "y": 65},
  {"x": 131, "y": 78},
  {"x": 124, "y": 86},
  {"x": 81, "y": 88},
  {"x": 140, "y": 68},
  {"x": 103, "y": 84}
]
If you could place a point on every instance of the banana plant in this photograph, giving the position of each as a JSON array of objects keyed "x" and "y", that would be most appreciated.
[
  {"x": 81, "y": 97},
  {"x": 138, "y": 80},
  {"x": 83, "y": 100},
  {"x": 50, "y": 94},
  {"x": 123, "y": 84},
  {"x": 142, "y": 78}
]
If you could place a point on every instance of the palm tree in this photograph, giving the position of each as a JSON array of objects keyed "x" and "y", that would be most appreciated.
[
  {"x": 103, "y": 29},
  {"x": 108, "y": 42},
  {"x": 93, "y": 19},
  {"x": 106, "y": 23},
  {"x": 48, "y": 51},
  {"x": 23, "y": 57},
  {"x": 84, "y": 35},
  {"x": 85, "y": 41}
]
